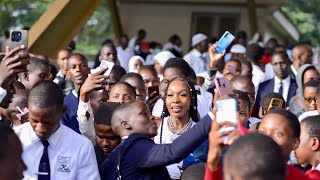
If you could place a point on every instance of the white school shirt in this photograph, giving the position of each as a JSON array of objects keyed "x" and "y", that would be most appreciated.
[
  {"x": 197, "y": 61},
  {"x": 86, "y": 125},
  {"x": 257, "y": 76},
  {"x": 71, "y": 155},
  {"x": 285, "y": 86},
  {"x": 124, "y": 55}
]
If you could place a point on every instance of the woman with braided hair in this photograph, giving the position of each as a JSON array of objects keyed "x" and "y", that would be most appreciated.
[{"x": 178, "y": 116}]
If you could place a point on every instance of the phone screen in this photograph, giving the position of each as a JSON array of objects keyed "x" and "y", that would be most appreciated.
[
  {"x": 153, "y": 89},
  {"x": 226, "y": 111},
  {"x": 224, "y": 42}
]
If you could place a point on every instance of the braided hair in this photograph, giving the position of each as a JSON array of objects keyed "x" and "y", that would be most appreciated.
[{"x": 193, "y": 111}]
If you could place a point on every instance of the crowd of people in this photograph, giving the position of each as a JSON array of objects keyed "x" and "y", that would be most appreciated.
[{"x": 154, "y": 115}]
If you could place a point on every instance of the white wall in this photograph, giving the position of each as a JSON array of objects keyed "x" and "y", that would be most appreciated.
[{"x": 161, "y": 21}]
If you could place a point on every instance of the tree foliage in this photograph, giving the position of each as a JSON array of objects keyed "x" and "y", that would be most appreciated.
[
  {"x": 24, "y": 13},
  {"x": 306, "y": 16}
]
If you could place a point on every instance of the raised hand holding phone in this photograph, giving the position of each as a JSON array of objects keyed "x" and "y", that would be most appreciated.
[
  {"x": 18, "y": 38},
  {"x": 215, "y": 57},
  {"x": 226, "y": 111},
  {"x": 219, "y": 140},
  {"x": 12, "y": 64},
  {"x": 224, "y": 42},
  {"x": 94, "y": 81}
]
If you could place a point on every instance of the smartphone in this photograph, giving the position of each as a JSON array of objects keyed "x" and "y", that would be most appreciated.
[
  {"x": 153, "y": 89},
  {"x": 275, "y": 103},
  {"x": 224, "y": 42},
  {"x": 18, "y": 38},
  {"x": 106, "y": 65},
  {"x": 226, "y": 111},
  {"x": 223, "y": 86}
]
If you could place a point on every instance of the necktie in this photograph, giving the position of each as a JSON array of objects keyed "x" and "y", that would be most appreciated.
[
  {"x": 281, "y": 89},
  {"x": 204, "y": 62},
  {"x": 44, "y": 165}
]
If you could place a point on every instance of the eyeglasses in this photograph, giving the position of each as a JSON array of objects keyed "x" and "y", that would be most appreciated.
[{"x": 309, "y": 100}]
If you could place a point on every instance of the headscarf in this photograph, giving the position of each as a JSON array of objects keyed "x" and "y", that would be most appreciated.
[
  {"x": 132, "y": 61},
  {"x": 163, "y": 57}
]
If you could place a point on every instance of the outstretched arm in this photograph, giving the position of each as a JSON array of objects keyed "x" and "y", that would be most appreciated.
[{"x": 165, "y": 154}]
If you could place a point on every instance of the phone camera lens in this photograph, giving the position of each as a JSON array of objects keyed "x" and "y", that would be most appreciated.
[
  {"x": 16, "y": 36},
  {"x": 226, "y": 35}
]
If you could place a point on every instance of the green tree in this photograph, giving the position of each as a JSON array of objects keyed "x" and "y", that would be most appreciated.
[
  {"x": 305, "y": 15},
  {"x": 24, "y": 13}
]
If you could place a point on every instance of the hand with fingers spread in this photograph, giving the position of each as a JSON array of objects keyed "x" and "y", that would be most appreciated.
[
  {"x": 95, "y": 81},
  {"x": 11, "y": 65},
  {"x": 215, "y": 57}
]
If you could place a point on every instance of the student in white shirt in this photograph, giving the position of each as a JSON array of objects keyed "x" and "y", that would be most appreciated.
[
  {"x": 198, "y": 57},
  {"x": 50, "y": 148},
  {"x": 124, "y": 52}
]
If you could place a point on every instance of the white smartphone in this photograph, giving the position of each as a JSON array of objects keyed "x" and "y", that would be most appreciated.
[
  {"x": 226, "y": 111},
  {"x": 106, "y": 65}
]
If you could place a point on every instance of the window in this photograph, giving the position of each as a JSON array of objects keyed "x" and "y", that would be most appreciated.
[{"x": 214, "y": 24}]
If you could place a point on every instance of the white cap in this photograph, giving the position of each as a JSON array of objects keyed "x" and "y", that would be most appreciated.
[
  {"x": 163, "y": 57},
  {"x": 238, "y": 48},
  {"x": 196, "y": 39}
]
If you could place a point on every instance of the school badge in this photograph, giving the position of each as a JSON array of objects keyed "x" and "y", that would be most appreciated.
[{"x": 64, "y": 164}]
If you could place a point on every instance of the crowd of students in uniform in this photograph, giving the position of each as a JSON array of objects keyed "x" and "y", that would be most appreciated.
[{"x": 154, "y": 115}]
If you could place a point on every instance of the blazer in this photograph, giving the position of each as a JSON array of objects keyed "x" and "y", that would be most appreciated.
[
  {"x": 140, "y": 158},
  {"x": 268, "y": 86}
]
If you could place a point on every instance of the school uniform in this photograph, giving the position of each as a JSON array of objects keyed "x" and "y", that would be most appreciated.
[
  {"x": 140, "y": 158},
  {"x": 289, "y": 89},
  {"x": 69, "y": 119},
  {"x": 71, "y": 156}
]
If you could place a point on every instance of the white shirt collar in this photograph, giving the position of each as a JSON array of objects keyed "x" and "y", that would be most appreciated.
[
  {"x": 286, "y": 81},
  {"x": 125, "y": 137},
  {"x": 295, "y": 72},
  {"x": 60, "y": 74},
  {"x": 53, "y": 139},
  {"x": 75, "y": 93}
]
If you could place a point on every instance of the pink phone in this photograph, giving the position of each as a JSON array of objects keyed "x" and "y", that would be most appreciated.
[{"x": 223, "y": 86}]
